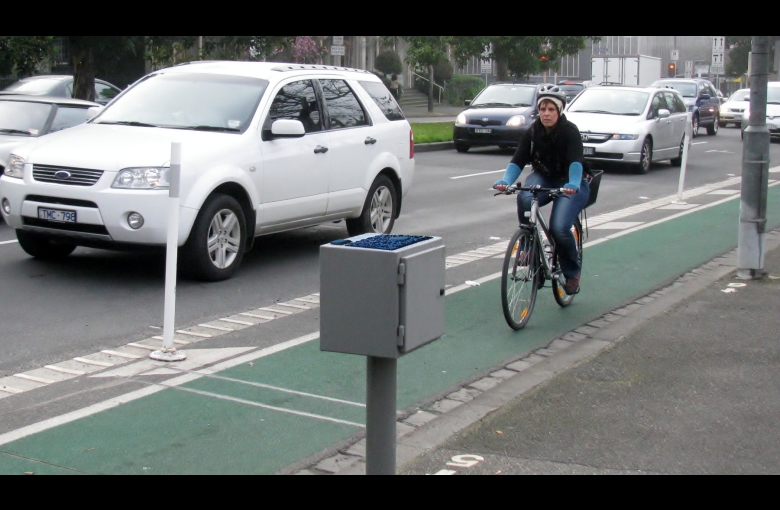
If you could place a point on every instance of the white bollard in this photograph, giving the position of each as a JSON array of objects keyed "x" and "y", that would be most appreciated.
[
  {"x": 684, "y": 166},
  {"x": 168, "y": 352}
]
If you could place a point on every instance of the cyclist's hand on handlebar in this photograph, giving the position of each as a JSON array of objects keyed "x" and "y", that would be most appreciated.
[
  {"x": 570, "y": 189},
  {"x": 501, "y": 186}
]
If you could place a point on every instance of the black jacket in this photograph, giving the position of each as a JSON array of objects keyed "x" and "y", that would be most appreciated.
[{"x": 551, "y": 154}]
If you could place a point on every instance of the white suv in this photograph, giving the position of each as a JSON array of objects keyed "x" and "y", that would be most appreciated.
[{"x": 266, "y": 147}]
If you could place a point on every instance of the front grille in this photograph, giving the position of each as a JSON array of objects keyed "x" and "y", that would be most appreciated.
[
  {"x": 61, "y": 201},
  {"x": 737, "y": 110},
  {"x": 77, "y": 176},
  {"x": 66, "y": 227},
  {"x": 595, "y": 137},
  {"x": 482, "y": 122}
]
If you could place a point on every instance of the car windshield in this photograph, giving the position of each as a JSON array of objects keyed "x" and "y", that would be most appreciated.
[
  {"x": 204, "y": 102},
  {"x": 740, "y": 95},
  {"x": 773, "y": 95},
  {"x": 22, "y": 118},
  {"x": 611, "y": 101},
  {"x": 502, "y": 95},
  {"x": 38, "y": 86},
  {"x": 685, "y": 88}
]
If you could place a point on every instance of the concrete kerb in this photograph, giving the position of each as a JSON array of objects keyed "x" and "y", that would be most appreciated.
[
  {"x": 452, "y": 411},
  {"x": 431, "y": 147}
]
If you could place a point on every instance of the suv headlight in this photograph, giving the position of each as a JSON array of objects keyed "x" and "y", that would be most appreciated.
[
  {"x": 15, "y": 167},
  {"x": 461, "y": 120},
  {"x": 143, "y": 178},
  {"x": 516, "y": 121}
]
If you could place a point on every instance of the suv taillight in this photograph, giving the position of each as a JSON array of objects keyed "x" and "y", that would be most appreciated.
[{"x": 411, "y": 144}]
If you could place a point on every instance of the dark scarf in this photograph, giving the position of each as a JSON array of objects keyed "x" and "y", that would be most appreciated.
[{"x": 545, "y": 154}]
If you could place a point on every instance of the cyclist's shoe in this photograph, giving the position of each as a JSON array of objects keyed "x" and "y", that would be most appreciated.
[{"x": 572, "y": 286}]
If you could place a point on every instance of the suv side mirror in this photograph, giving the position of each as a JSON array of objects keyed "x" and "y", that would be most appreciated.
[
  {"x": 467, "y": 102},
  {"x": 663, "y": 113},
  {"x": 286, "y": 128}
]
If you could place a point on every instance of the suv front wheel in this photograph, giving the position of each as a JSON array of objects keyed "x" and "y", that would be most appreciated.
[
  {"x": 217, "y": 242},
  {"x": 379, "y": 211},
  {"x": 713, "y": 129},
  {"x": 42, "y": 247}
]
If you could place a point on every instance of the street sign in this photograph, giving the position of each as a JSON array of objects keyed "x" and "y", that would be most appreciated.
[
  {"x": 675, "y": 55},
  {"x": 702, "y": 70},
  {"x": 718, "y": 44},
  {"x": 338, "y": 51},
  {"x": 718, "y": 54},
  {"x": 487, "y": 66},
  {"x": 338, "y": 40},
  {"x": 689, "y": 68},
  {"x": 717, "y": 63}
]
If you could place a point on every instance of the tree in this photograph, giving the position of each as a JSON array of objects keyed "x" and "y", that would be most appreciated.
[
  {"x": 425, "y": 51},
  {"x": 24, "y": 53},
  {"x": 84, "y": 48},
  {"x": 388, "y": 62},
  {"x": 739, "y": 54}
]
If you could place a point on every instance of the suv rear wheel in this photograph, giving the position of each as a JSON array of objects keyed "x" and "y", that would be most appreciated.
[
  {"x": 217, "y": 242},
  {"x": 379, "y": 211},
  {"x": 695, "y": 126},
  {"x": 42, "y": 247},
  {"x": 713, "y": 129}
]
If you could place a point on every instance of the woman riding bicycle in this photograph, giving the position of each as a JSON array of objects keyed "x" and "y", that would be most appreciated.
[{"x": 553, "y": 146}]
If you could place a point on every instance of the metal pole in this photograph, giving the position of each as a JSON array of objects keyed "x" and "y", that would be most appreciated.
[
  {"x": 755, "y": 169},
  {"x": 168, "y": 351},
  {"x": 684, "y": 166},
  {"x": 381, "y": 416}
]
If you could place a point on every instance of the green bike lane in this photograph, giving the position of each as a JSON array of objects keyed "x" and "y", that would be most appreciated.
[{"x": 260, "y": 417}]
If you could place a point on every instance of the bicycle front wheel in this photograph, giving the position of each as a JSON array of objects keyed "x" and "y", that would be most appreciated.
[
  {"x": 520, "y": 279},
  {"x": 561, "y": 297}
]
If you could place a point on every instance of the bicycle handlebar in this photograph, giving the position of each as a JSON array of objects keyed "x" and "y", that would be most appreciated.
[{"x": 514, "y": 189}]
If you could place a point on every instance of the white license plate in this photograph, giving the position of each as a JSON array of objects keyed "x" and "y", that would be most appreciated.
[
  {"x": 589, "y": 151},
  {"x": 771, "y": 126},
  {"x": 483, "y": 131},
  {"x": 57, "y": 215}
]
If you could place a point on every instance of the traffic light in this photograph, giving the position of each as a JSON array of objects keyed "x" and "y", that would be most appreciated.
[{"x": 672, "y": 71}]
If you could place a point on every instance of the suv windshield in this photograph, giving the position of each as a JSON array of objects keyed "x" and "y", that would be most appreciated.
[
  {"x": 611, "y": 101},
  {"x": 740, "y": 95},
  {"x": 773, "y": 95},
  {"x": 204, "y": 102},
  {"x": 23, "y": 119},
  {"x": 685, "y": 88},
  {"x": 503, "y": 95}
]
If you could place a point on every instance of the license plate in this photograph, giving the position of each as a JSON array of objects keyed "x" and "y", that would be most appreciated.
[
  {"x": 589, "y": 151},
  {"x": 771, "y": 126},
  {"x": 57, "y": 215},
  {"x": 483, "y": 131}
]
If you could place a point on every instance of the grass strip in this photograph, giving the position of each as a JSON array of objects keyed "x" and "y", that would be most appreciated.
[{"x": 432, "y": 132}]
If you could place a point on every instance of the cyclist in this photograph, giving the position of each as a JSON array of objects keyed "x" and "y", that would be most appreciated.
[{"x": 553, "y": 146}]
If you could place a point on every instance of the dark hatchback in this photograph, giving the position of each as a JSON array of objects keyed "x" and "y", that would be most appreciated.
[{"x": 499, "y": 115}]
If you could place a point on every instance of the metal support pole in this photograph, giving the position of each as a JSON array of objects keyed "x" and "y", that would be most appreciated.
[
  {"x": 684, "y": 166},
  {"x": 168, "y": 351},
  {"x": 755, "y": 169},
  {"x": 381, "y": 416}
]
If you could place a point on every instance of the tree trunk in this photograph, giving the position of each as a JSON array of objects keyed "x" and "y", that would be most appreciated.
[
  {"x": 430, "y": 88},
  {"x": 83, "y": 60},
  {"x": 502, "y": 67}
]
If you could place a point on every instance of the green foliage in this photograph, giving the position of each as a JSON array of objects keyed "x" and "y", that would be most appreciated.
[
  {"x": 426, "y": 50},
  {"x": 24, "y": 53},
  {"x": 463, "y": 87},
  {"x": 442, "y": 72},
  {"x": 388, "y": 62}
]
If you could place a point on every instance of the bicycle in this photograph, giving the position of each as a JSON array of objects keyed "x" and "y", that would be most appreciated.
[{"x": 531, "y": 261}]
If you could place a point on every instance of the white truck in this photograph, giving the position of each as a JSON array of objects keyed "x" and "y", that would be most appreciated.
[{"x": 636, "y": 70}]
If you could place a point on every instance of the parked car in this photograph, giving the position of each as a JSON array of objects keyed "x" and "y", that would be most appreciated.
[
  {"x": 572, "y": 88},
  {"x": 267, "y": 147},
  {"x": 59, "y": 86},
  {"x": 499, "y": 115},
  {"x": 772, "y": 111},
  {"x": 731, "y": 111},
  {"x": 24, "y": 118},
  {"x": 631, "y": 125},
  {"x": 700, "y": 98}
]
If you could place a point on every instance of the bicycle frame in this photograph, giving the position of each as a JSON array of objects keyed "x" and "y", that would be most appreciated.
[{"x": 542, "y": 231}]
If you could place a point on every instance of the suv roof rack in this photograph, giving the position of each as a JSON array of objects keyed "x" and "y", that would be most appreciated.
[{"x": 312, "y": 67}]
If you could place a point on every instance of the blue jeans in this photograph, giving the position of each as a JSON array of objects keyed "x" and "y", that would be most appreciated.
[{"x": 564, "y": 212}]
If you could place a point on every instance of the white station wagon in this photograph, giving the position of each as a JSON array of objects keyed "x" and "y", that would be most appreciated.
[{"x": 266, "y": 147}]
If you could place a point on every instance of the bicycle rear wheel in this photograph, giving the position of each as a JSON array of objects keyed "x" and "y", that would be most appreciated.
[
  {"x": 561, "y": 297},
  {"x": 519, "y": 279}
]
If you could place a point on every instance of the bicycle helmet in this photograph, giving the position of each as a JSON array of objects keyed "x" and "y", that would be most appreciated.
[{"x": 551, "y": 93}]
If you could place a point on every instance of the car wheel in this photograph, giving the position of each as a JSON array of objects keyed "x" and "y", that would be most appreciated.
[
  {"x": 695, "y": 126},
  {"x": 713, "y": 129},
  {"x": 379, "y": 210},
  {"x": 723, "y": 124},
  {"x": 216, "y": 245},
  {"x": 646, "y": 157},
  {"x": 678, "y": 160},
  {"x": 42, "y": 247},
  {"x": 462, "y": 147}
]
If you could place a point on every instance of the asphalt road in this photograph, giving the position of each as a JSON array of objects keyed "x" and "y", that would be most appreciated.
[{"x": 52, "y": 311}]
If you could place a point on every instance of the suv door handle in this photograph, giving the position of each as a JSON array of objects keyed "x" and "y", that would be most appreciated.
[
  {"x": 370, "y": 141},
  {"x": 320, "y": 150}
]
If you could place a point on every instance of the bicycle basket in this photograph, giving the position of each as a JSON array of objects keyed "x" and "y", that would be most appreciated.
[{"x": 594, "y": 181}]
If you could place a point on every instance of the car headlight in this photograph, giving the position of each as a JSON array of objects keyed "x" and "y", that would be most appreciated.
[
  {"x": 461, "y": 120},
  {"x": 143, "y": 178},
  {"x": 15, "y": 167},
  {"x": 625, "y": 137},
  {"x": 723, "y": 109},
  {"x": 516, "y": 121}
]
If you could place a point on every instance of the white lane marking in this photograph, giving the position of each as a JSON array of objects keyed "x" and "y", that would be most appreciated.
[
  {"x": 699, "y": 143},
  {"x": 774, "y": 170},
  {"x": 94, "y": 363},
  {"x": 297, "y": 307},
  {"x": 446, "y": 472},
  {"x": 177, "y": 342},
  {"x": 477, "y": 175},
  {"x": 146, "y": 347},
  {"x": 678, "y": 207},
  {"x": 617, "y": 225},
  {"x": 9, "y": 242},
  {"x": 240, "y": 323},
  {"x": 216, "y": 328},
  {"x": 272, "y": 310},
  {"x": 724, "y": 192},
  {"x": 65, "y": 370},
  {"x": 121, "y": 354},
  {"x": 198, "y": 335},
  {"x": 255, "y": 316},
  {"x": 34, "y": 379},
  {"x": 308, "y": 300},
  {"x": 12, "y": 391}
]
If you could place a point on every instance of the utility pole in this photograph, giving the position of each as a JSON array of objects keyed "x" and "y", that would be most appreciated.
[{"x": 755, "y": 169}]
